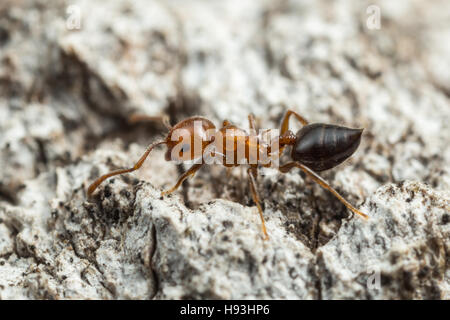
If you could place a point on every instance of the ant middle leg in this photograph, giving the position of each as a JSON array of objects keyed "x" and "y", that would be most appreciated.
[
  {"x": 138, "y": 164},
  {"x": 252, "y": 173},
  {"x": 191, "y": 172},
  {"x": 318, "y": 179},
  {"x": 285, "y": 122}
]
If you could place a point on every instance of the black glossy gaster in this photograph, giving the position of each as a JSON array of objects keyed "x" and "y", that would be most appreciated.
[{"x": 323, "y": 146}]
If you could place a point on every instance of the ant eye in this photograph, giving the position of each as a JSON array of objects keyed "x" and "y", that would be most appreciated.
[{"x": 185, "y": 148}]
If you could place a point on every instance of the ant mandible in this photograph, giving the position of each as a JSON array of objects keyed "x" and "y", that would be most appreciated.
[{"x": 315, "y": 147}]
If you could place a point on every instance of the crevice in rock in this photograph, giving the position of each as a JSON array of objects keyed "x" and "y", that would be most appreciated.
[
  {"x": 92, "y": 263},
  {"x": 8, "y": 197},
  {"x": 156, "y": 279}
]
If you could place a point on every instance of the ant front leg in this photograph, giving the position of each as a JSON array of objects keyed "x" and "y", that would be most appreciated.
[
  {"x": 285, "y": 123},
  {"x": 138, "y": 164},
  {"x": 318, "y": 179},
  {"x": 252, "y": 173},
  {"x": 191, "y": 172}
]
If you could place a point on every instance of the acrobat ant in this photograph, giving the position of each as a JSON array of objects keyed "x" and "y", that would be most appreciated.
[{"x": 315, "y": 147}]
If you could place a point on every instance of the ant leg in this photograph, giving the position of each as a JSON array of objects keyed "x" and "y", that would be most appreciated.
[
  {"x": 136, "y": 117},
  {"x": 252, "y": 173},
  {"x": 285, "y": 137},
  {"x": 318, "y": 179},
  {"x": 252, "y": 122},
  {"x": 138, "y": 164},
  {"x": 192, "y": 170},
  {"x": 285, "y": 123}
]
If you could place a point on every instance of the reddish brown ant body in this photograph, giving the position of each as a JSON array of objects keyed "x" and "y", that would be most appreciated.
[{"x": 315, "y": 147}]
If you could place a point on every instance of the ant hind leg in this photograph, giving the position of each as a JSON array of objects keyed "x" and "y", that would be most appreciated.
[
  {"x": 285, "y": 123},
  {"x": 318, "y": 179}
]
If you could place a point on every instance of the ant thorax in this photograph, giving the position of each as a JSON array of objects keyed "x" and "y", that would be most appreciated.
[{"x": 229, "y": 146}]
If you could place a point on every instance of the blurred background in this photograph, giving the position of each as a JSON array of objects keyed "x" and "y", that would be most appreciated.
[{"x": 72, "y": 72}]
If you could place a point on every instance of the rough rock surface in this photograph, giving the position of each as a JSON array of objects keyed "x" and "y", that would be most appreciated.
[{"x": 66, "y": 95}]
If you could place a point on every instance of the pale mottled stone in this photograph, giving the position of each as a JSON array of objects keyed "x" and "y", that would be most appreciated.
[{"x": 65, "y": 99}]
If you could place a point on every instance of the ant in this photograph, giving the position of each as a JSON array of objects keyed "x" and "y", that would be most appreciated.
[{"x": 315, "y": 147}]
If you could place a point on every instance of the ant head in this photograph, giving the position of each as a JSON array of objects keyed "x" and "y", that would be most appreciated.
[{"x": 188, "y": 138}]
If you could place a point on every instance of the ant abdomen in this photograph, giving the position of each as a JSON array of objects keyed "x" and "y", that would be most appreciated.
[{"x": 323, "y": 146}]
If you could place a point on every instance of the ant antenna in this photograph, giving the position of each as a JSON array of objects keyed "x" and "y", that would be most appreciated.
[{"x": 138, "y": 164}]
